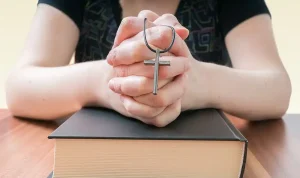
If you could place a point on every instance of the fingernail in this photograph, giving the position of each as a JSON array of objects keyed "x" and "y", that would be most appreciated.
[
  {"x": 180, "y": 26},
  {"x": 111, "y": 84},
  {"x": 122, "y": 98},
  {"x": 111, "y": 57}
]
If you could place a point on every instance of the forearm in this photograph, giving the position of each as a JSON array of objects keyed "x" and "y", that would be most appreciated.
[
  {"x": 53, "y": 92},
  {"x": 247, "y": 94}
]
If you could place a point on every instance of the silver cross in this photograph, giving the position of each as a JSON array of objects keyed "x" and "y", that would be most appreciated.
[{"x": 156, "y": 64}]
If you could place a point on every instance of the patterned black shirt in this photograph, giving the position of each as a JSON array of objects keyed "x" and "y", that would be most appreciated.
[{"x": 209, "y": 21}]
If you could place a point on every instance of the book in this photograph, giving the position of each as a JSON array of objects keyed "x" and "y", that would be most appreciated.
[{"x": 96, "y": 142}]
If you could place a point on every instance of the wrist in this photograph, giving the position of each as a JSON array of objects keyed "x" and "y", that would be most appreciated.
[
  {"x": 96, "y": 80},
  {"x": 198, "y": 92}
]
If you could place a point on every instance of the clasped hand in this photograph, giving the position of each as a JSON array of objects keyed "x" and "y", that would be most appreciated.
[{"x": 132, "y": 81}]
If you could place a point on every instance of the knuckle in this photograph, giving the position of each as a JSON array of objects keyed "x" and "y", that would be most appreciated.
[
  {"x": 165, "y": 35},
  {"x": 127, "y": 21},
  {"x": 158, "y": 122},
  {"x": 163, "y": 73},
  {"x": 145, "y": 12},
  {"x": 163, "y": 38},
  {"x": 141, "y": 86},
  {"x": 168, "y": 16},
  {"x": 130, "y": 109},
  {"x": 112, "y": 56},
  {"x": 159, "y": 101},
  {"x": 150, "y": 113},
  {"x": 171, "y": 19},
  {"x": 136, "y": 52},
  {"x": 178, "y": 107},
  {"x": 117, "y": 86}
]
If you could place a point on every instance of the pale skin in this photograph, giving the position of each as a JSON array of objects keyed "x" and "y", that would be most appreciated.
[{"x": 44, "y": 86}]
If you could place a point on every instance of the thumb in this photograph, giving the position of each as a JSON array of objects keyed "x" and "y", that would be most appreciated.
[
  {"x": 149, "y": 15},
  {"x": 131, "y": 26},
  {"x": 171, "y": 20},
  {"x": 182, "y": 31}
]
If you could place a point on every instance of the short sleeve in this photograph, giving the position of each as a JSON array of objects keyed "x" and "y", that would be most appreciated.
[
  {"x": 233, "y": 12},
  {"x": 73, "y": 9}
]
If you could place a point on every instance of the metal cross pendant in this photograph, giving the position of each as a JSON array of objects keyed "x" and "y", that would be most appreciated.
[{"x": 156, "y": 64}]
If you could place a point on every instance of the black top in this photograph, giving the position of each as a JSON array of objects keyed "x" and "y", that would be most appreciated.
[{"x": 209, "y": 21}]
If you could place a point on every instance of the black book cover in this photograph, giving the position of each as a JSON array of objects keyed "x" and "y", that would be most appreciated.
[{"x": 95, "y": 123}]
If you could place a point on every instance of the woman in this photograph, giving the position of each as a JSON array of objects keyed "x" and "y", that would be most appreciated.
[{"x": 224, "y": 56}]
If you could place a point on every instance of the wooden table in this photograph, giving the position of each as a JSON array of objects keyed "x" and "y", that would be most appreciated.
[{"x": 274, "y": 147}]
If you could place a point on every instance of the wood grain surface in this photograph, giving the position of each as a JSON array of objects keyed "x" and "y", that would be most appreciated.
[{"x": 274, "y": 147}]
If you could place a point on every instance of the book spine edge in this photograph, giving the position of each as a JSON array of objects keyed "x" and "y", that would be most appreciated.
[
  {"x": 240, "y": 137},
  {"x": 236, "y": 132},
  {"x": 244, "y": 160}
]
